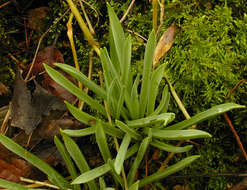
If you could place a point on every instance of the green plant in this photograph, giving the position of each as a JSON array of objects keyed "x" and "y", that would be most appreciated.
[{"x": 133, "y": 118}]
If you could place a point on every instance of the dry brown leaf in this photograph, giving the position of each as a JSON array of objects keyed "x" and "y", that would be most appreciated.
[
  {"x": 3, "y": 89},
  {"x": 164, "y": 44},
  {"x": 36, "y": 18}
]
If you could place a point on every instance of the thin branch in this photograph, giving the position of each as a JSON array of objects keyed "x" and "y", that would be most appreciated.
[
  {"x": 40, "y": 40},
  {"x": 87, "y": 19},
  {"x": 127, "y": 11}
]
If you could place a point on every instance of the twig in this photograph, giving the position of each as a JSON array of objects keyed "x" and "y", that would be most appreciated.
[
  {"x": 18, "y": 62},
  {"x": 137, "y": 34},
  {"x": 87, "y": 19},
  {"x": 127, "y": 11},
  {"x": 40, "y": 40},
  {"x": 162, "y": 10},
  {"x": 5, "y": 121},
  {"x": 235, "y": 87},
  {"x": 92, "y": 7},
  {"x": 155, "y": 15},
  {"x": 4, "y": 4},
  {"x": 236, "y": 135},
  {"x": 38, "y": 182}
]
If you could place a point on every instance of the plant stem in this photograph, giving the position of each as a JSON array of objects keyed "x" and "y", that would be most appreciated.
[{"x": 155, "y": 15}]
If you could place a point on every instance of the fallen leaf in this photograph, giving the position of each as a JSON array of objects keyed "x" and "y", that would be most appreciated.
[
  {"x": 164, "y": 44},
  {"x": 37, "y": 18}
]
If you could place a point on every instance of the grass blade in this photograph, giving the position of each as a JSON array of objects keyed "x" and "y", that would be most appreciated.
[
  {"x": 102, "y": 142},
  {"x": 120, "y": 102},
  {"x": 118, "y": 164},
  {"x": 80, "y": 115},
  {"x": 168, "y": 171},
  {"x": 67, "y": 159},
  {"x": 117, "y": 34},
  {"x": 178, "y": 134},
  {"x": 153, "y": 91},
  {"x": 80, "y": 132},
  {"x": 147, "y": 69},
  {"x": 163, "y": 118},
  {"x": 133, "y": 134},
  {"x": 164, "y": 102},
  {"x": 139, "y": 157},
  {"x": 126, "y": 62},
  {"x": 134, "y": 105},
  {"x": 64, "y": 82},
  {"x": 78, "y": 157},
  {"x": 83, "y": 79},
  {"x": 170, "y": 148},
  {"x": 11, "y": 185},
  {"x": 212, "y": 112},
  {"x": 56, "y": 178},
  {"x": 134, "y": 186},
  {"x": 92, "y": 174}
]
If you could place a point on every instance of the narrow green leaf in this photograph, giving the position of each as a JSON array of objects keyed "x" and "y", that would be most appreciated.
[
  {"x": 111, "y": 98},
  {"x": 56, "y": 178},
  {"x": 117, "y": 34},
  {"x": 212, "y": 112},
  {"x": 163, "y": 118},
  {"x": 132, "y": 150},
  {"x": 134, "y": 186},
  {"x": 120, "y": 102},
  {"x": 118, "y": 164},
  {"x": 105, "y": 64},
  {"x": 78, "y": 157},
  {"x": 83, "y": 79},
  {"x": 92, "y": 174},
  {"x": 126, "y": 62},
  {"x": 67, "y": 159},
  {"x": 80, "y": 115},
  {"x": 80, "y": 132},
  {"x": 147, "y": 69},
  {"x": 117, "y": 178},
  {"x": 164, "y": 102},
  {"x": 170, "y": 148},
  {"x": 154, "y": 87},
  {"x": 168, "y": 171},
  {"x": 64, "y": 82},
  {"x": 134, "y": 106},
  {"x": 102, "y": 141},
  {"x": 11, "y": 185},
  {"x": 139, "y": 157},
  {"x": 178, "y": 134},
  {"x": 112, "y": 131},
  {"x": 133, "y": 134}
]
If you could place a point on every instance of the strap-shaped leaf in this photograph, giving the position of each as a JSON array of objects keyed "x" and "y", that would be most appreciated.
[
  {"x": 134, "y": 106},
  {"x": 153, "y": 91},
  {"x": 92, "y": 174},
  {"x": 118, "y": 164},
  {"x": 102, "y": 141},
  {"x": 56, "y": 178},
  {"x": 212, "y": 112},
  {"x": 126, "y": 62},
  {"x": 105, "y": 64},
  {"x": 11, "y": 185},
  {"x": 134, "y": 186},
  {"x": 133, "y": 134},
  {"x": 67, "y": 159},
  {"x": 83, "y": 79},
  {"x": 120, "y": 102},
  {"x": 164, "y": 102},
  {"x": 178, "y": 134},
  {"x": 80, "y": 132},
  {"x": 64, "y": 82},
  {"x": 168, "y": 171},
  {"x": 117, "y": 34},
  {"x": 147, "y": 69},
  {"x": 163, "y": 118},
  {"x": 139, "y": 157},
  {"x": 78, "y": 157},
  {"x": 80, "y": 115},
  {"x": 170, "y": 148}
]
